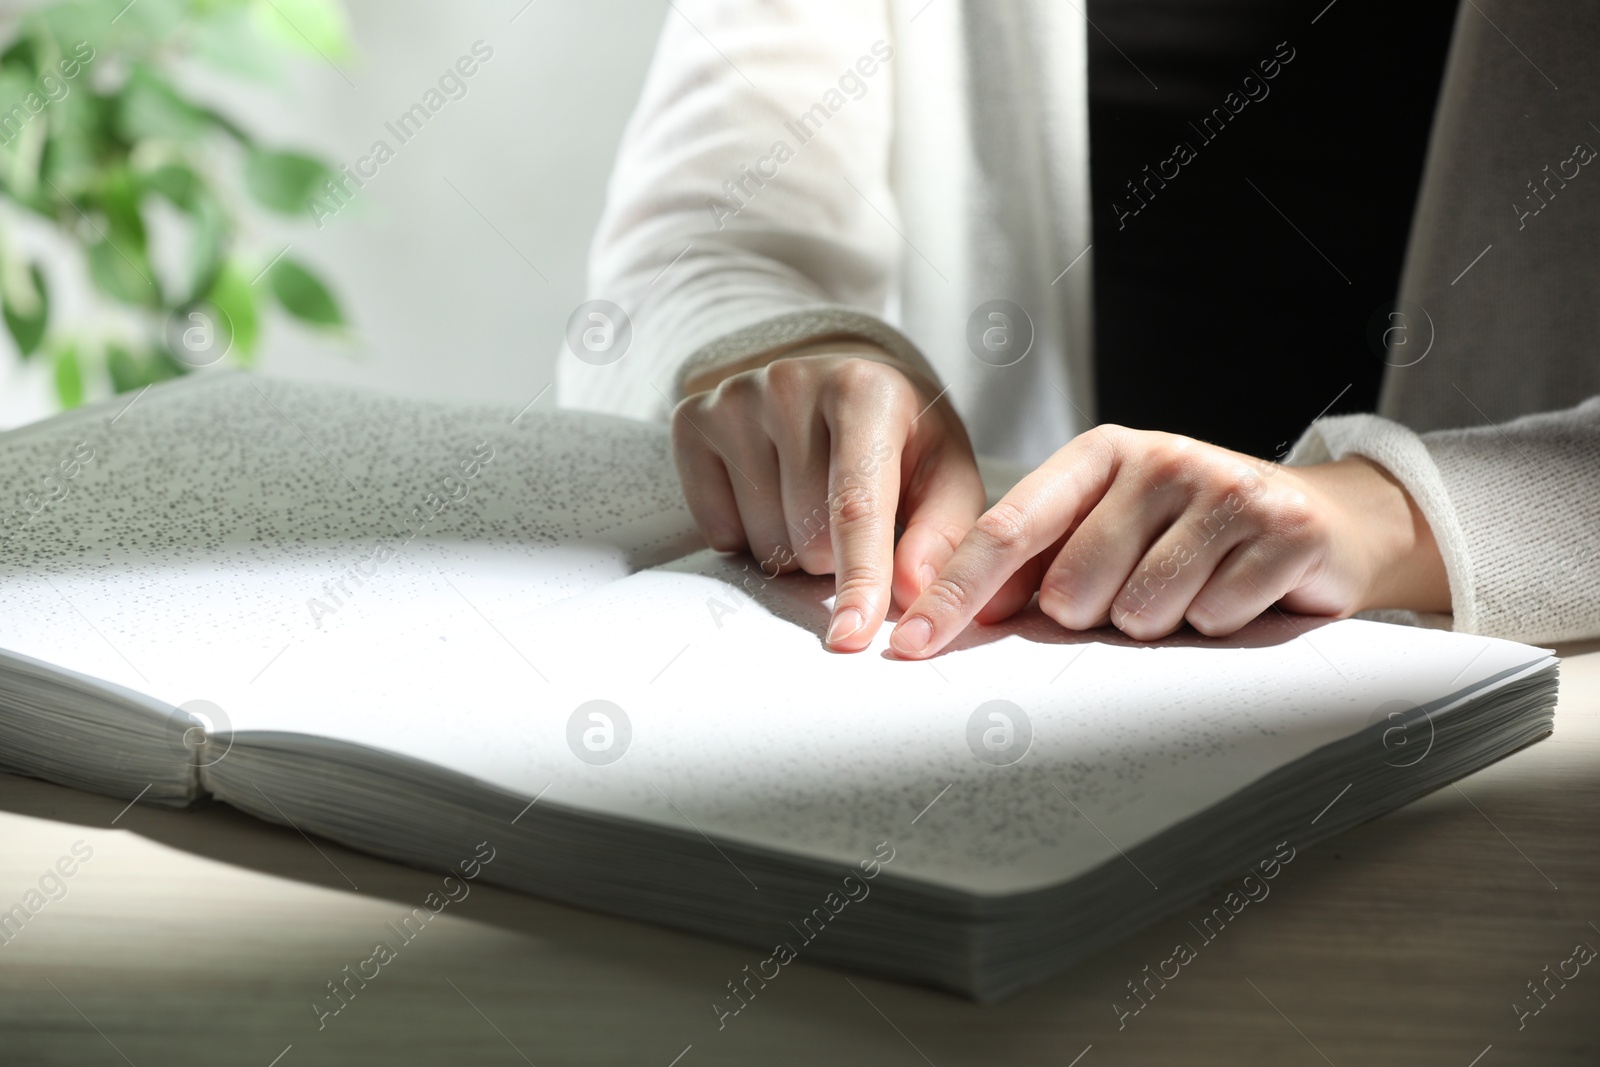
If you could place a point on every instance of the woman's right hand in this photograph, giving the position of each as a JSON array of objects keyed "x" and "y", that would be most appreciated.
[{"x": 810, "y": 459}]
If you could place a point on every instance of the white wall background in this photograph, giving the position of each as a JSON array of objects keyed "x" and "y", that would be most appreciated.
[{"x": 440, "y": 303}]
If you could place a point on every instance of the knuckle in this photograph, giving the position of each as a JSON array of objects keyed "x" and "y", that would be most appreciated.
[
  {"x": 853, "y": 505},
  {"x": 685, "y": 417},
  {"x": 1068, "y": 607},
  {"x": 1294, "y": 519},
  {"x": 1004, "y": 526},
  {"x": 1166, "y": 463},
  {"x": 690, "y": 406},
  {"x": 1208, "y": 620},
  {"x": 1202, "y": 615},
  {"x": 1230, "y": 491},
  {"x": 950, "y": 595},
  {"x": 1057, "y": 601},
  {"x": 1141, "y": 594},
  {"x": 679, "y": 427},
  {"x": 787, "y": 376},
  {"x": 1061, "y": 581},
  {"x": 740, "y": 389},
  {"x": 1104, "y": 444},
  {"x": 1112, "y": 436},
  {"x": 1241, "y": 481},
  {"x": 1054, "y": 602},
  {"x": 860, "y": 585},
  {"x": 1141, "y": 624},
  {"x": 866, "y": 380},
  {"x": 855, "y": 373}
]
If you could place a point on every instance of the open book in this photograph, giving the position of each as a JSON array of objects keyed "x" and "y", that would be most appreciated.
[{"x": 415, "y": 627}]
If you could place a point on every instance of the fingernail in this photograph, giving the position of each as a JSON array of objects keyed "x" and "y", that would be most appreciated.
[
  {"x": 912, "y": 635},
  {"x": 926, "y": 576},
  {"x": 844, "y": 624}
]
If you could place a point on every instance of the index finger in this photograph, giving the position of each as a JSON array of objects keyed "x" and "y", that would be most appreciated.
[
  {"x": 863, "y": 495},
  {"x": 1023, "y": 523}
]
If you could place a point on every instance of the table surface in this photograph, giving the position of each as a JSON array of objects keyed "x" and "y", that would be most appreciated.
[{"x": 204, "y": 936}]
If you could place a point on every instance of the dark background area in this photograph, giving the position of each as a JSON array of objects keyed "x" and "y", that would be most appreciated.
[{"x": 1214, "y": 317}]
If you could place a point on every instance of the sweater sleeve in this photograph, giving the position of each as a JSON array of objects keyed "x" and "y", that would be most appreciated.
[
  {"x": 1515, "y": 509},
  {"x": 750, "y": 207}
]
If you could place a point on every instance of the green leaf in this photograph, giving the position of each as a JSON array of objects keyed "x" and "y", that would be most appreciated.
[
  {"x": 118, "y": 197},
  {"x": 230, "y": 42},
  {"x": 118, "y": 261},
  {"x": 69, "y": 377},
  {"x": 303, "y": 295},
  {"x": 227, "y": 125},
  {"x": 123, "y": 273},
  {"x": 316, "y": 27},
  {"x": 117, "y": 26},
  {"x": 283, "y": 181},
  {"x": 177, "y": 183},
  {"x": 212, "y": 235},
  {"x": 160, "y": 366},
  {"x": 15, "y": 85},
  {"x": 129, "y": 372},
  {"x": 20, "y": 53},
  {"x": 22, "y": 134},
  {"x": 232, "y": 293},
  {"x": 126, "y": 374},
  {"x": 27, "y": 321},
  {"x": 79, "y": 132},
  {"x": 148, "y": 107}
]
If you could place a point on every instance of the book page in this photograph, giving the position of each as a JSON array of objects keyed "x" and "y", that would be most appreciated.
[
  {"x": 521, "y": 601},
  {"x": 721, "y": 711},
  {"x": 205, "y": 528}
]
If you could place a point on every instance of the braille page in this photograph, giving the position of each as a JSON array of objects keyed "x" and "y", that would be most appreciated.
[
  {"x": 724, "y": 713},
  {"x": 221, "y": 539},
  {"x": 197, "y": 534}
]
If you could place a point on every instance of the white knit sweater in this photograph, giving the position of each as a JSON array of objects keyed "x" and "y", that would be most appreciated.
[{"x": 799, "y": 169}]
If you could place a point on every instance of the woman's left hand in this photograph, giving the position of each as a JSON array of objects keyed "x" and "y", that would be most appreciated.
[{"x": 1148, "y": 530}]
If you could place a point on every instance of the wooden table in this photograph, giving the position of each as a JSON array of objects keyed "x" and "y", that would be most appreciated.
[{"x": 202, "y": 937}]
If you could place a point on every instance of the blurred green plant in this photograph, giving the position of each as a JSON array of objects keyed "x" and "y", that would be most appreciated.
[{"x": 96, "y": 137}]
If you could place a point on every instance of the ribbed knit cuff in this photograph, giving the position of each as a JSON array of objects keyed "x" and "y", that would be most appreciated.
[{"x": 792, "y": 329}]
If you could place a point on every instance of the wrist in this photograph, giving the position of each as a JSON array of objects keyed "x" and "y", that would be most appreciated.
[{"x": 1403, "y": 566}]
